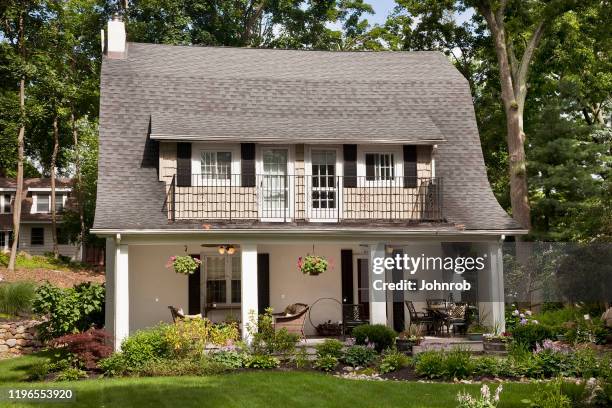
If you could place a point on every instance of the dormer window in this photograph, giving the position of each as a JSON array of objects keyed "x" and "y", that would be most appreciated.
[
  {"x": 6, "y": 204},
  {"x": 42, "y": 203}
]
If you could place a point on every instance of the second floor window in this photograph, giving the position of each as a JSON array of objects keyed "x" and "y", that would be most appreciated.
[
  {"x": 7, "y": 201},
  {"x": 42, "y": 203},
  {"x": 380, "y": 166},
  {"x": 216, "y": 165}
]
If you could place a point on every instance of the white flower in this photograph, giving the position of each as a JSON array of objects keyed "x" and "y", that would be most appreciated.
[
  {"x": 497, "y": 392},
  {"x": 528, "y": 312},
  {"x": 484, "y": 391}
]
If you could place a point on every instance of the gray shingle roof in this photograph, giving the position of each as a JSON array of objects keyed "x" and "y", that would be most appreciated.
[{"x": 161, "y": 90}]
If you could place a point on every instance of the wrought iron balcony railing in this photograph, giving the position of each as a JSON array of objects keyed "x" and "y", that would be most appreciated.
[{"x": 316, "y": 198}]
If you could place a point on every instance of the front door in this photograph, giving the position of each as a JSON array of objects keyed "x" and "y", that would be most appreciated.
[
  {"x": 274, "y": 185},
  {"x": 323, "y": 200}
]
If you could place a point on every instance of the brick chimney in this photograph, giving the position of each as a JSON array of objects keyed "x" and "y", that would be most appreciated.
[{"x": 116, "y": 46}]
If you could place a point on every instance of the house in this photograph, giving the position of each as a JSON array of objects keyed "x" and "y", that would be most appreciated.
[
  {"x": 36, "y": 229},
  {"x": 252, "y": 158}
]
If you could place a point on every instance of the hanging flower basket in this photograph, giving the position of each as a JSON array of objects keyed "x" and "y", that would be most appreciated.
[
  {"x": 184, "y": 264},
  {"x": 312, "y": 265}
]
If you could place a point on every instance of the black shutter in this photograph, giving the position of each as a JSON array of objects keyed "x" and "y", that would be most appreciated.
[
  {"x": 350, "y": 165},
  {"x": 194, "y": 290},
  {"x": 263, "y": 282},
  {"x": 346, "y": 264},
  {"x": 183, "y": 164},
  {"x": 410, "y": 166},
  {"x": 247, "y": 164}
]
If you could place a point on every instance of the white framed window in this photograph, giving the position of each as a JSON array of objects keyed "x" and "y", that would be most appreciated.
[
  {"x": 41, "y": 203},
  {"x": 223, "y": 284},
  {"x": 214, "y": 165},
  {"x": 6, "y": 203},
  {"x": 379, "y": 165}
]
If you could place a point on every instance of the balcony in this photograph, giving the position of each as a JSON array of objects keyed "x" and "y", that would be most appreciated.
[{"x": 310, "y": 198}]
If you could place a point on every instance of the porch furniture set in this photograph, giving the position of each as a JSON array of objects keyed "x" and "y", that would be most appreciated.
[{"x": 440, "y": 313}]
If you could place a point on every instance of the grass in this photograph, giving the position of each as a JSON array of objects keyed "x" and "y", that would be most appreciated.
[{"x": 254, "y": 389}]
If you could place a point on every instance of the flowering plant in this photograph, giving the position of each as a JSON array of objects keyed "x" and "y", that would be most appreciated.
[
  {"x": 486, "y": 400},
  {"x": 184, "y": 264},
  {"x": 312, "y": 265}
]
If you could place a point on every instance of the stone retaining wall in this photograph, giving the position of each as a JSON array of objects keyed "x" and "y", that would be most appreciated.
[{"x": 18, "y": 337}]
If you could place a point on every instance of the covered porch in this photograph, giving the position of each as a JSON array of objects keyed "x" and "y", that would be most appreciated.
[{"x": 253, "y": 275}]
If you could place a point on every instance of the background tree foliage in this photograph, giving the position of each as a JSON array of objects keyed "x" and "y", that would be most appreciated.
[{"x": 566, "y": 110}]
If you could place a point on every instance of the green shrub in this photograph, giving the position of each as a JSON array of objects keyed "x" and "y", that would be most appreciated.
[
  {"x": 330, "y": 347},
  {"x": 71, "y": 374},
  {"x": 531, "y": 334},
  {"x": 181, "y": 366},
  {"x": 144, "y": 346},
  {"x": 261, "y": 361},
  {"x": 17, "y": 297},
  {"x": 301, "y": 359},
  {"x": 488, "y": 366},
  {"x": 267, "y": 340},
  {"x": 230, "y": 359},
  {"x": 393, "y": 361},
  {"x": 430, "y": 364},
  {"x": 359, "y": 356},
  {"x": 458, "y": 364},
  {"x": 326, "y": 362},
  {"x": 70, "y": 310},
  {"x": 380, "y": 335}
]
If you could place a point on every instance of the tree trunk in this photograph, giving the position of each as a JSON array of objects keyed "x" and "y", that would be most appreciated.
[
  {"x": 53, "y": 198},
  {"x": 20, "y": 157},
  {"x": 78, "y": 188}
]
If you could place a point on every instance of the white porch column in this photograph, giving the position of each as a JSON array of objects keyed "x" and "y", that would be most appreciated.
[
  {"x": 122, "y": 294},
  {"x": 378, "y": 303},
  {"x": 497, "y": 272},
  {"x": 492, "y": 308},
  {"x": 248, "y": 287}
]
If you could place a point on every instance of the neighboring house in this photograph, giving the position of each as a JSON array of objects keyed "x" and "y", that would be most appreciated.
[
  {"x": 36, "y": 234},
  {"x": 251, "y": 158}
]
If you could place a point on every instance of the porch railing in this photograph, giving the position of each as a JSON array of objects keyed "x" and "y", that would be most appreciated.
[{"x": 286, "y": 198}]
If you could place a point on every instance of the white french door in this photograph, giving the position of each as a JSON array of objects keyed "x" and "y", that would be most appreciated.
[
  {"x": 275, "y": 185},
  {"x": 323, "y": 186}
]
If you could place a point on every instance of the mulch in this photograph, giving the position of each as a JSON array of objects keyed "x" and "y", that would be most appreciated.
[{"x": 61, "y": 278}]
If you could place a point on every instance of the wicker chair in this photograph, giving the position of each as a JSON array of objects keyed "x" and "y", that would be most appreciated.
[
  {"x": 177, "y": 314},
  {"x": 352, "y": 316},
  {"x": 292, "y": 319},
  {"x": 419, "y": 318}
]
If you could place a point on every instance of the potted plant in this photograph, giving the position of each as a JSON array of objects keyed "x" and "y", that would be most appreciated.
[
  {"x": 496, "y": 342},
  {"x": 409, "y": 338},
  {"x": 183, "y": 264},
  {"x": 476, "y": 332},
  {"x": 312, "y": 265}
]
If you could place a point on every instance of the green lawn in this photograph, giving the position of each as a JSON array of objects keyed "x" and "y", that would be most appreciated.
[{"x": 254, "y": 389}]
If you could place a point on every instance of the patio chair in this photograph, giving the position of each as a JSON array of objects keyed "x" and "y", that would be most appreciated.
[
  {"x": 457, "y": 317},
  {"x": 177, "y": 314},
  {"x": 419, "y": 318},
  {"x": 292, "y": 319},
  {"x": 352, "y": 316}
]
